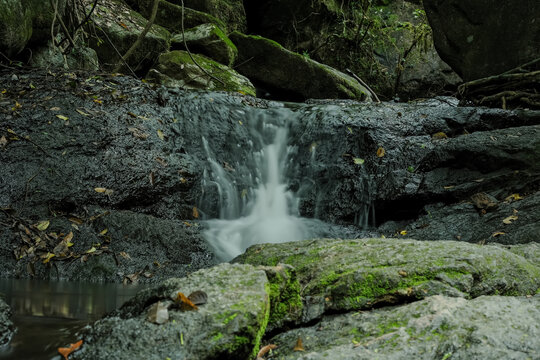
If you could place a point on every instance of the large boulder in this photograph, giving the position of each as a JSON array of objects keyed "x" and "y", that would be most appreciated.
[
  {"x": 15, "y": 27},
  {"x": 485, "y": 37},
  {"x": 209, "y": 40},
  {"x": 228, "y": 325},
  {"x": 114, "y": 30},
  {"x": 170, "y": 15},
  {"x": 177, "y": 69},
  {"x": 439, "y": 327},
  {"x": 290, "y": 75},
  {"x": 364, "y": 273},
  {"x": 231, "y": 12}
]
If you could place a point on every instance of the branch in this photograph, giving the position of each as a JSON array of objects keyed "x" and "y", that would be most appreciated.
[
  {"x": 140, "y": 37},
  {"x": 189, "y": 52},
  {"x": 363, "y": 84}
]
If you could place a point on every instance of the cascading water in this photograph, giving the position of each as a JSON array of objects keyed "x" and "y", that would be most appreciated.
[{"x": 264, "y": 211}]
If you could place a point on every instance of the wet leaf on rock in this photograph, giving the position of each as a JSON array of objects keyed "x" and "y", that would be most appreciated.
[
  {"x": 47, "y": 257},
  {"x": 42, "y": 225},
  {"x": 138, "y": 133},
  {"x": 403, "y": 232},
  {"x": 513, "y": 197},
  {"x": 158, "y": 313},
  {"x": 497, "y": 233},
  {"x": 184, "y": 303},
  {"x": 264, "y": 350},
  {"x": 62, "y": 117},
  {"x": 358, "y": 161},
  {"x": 299, "y": 346},
  {"x": 380, "y": 152},
  {"x": 198, "y": 297},
  {"x": 510, "y": 219},
  {"x": 195, "y": 212},
  {"x": 438, "y": 136},
  {"x": 68, "y": 350},
  {"x": 161, "y": 135}
]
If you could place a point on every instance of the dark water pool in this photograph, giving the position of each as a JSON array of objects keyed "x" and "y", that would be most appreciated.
[{"x": 48, "y": 314}]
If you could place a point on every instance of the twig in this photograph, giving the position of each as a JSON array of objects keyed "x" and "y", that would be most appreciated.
[
  {"x": 140, "y": 37},
  {"x": 521, "y": 67},
  {"x": 189, "y": 52},
  {"x": 363, "y": 84},
  {"x": 29, "y": 180},
  {"x": 117, "y": 52}
]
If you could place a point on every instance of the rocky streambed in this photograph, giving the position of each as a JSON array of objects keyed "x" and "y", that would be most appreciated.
[{"x": 103, "y": 179}]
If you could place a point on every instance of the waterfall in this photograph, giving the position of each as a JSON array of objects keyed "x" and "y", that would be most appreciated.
[{"x": 264, "y": 210}]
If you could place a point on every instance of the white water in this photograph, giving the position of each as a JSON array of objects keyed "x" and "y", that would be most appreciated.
[{"x": 264, "y": 213}]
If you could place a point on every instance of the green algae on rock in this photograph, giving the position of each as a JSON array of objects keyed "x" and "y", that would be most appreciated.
[
  {"x": 363, "y": 273},
  {"x": 437, "y": 327},
  {"x": 177, "y": 69},
  {"x": 209, "y": 40}
]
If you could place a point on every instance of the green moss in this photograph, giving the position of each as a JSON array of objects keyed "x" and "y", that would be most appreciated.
[{"x": 217, "y": 336}]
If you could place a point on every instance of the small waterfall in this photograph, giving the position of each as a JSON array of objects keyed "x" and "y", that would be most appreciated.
[{"x": 255, "y": 205}]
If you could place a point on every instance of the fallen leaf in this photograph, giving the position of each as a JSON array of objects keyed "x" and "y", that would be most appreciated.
[
  {"x": 104, "y": 231},
  {"x": 82, "y": 112},
  {"x": 3, "y": 141},
  {"x": 47, "y": 257},
  {"x": 358, "y": 161},
  {"x": 68, "y": 350},
  {"x": 513, "y": 197},
  {"x": 299, "y": 346},
  {"x": 42, "y": 225},
  {"x": 195, "y": 212},
  {"x": 152, "y": 178},
  {"x": 161, "y": 162},
  {"x": 403, "y": 232},
  {"x": 380, "y": 152},
  {"x": 198, "y": 297},
  {"x": 65, "y": 118},
  {"x": 510, "y": 219},
  {"x": 161, "y": 135},
  {"x": 100, "y": 190},
  {"x": 97, "y": 101},
  {"x": 76, "y": 220},
  {"x": 264, "y": 350},
  {"x": 17, "y": 106},
  {"x": 184, "y": 303},
  {"x": 125, "y": 255},
  {"x": 497, "y": 233},
  {"x": 91, "y": 250},
  {"x": 55, "y": 108},
  {"x": 438, "y": 136},
  {"x": 139, "y": 134},
  {"x": 448, "y": 187},
  {"x": 402, "y": 273}
]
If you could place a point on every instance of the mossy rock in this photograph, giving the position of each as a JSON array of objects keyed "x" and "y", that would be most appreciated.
[
  {"x": 231, "y": 12},
  {"x": 209, "y": 40},
  {"x": 169, "y": 16},
  {"x": 177, "y": 69},
  {"x": 230, "y": 325},
  {"x": 110, "y": 40},
  {"x": 363, "y": 273},
  {"x": 15, "y": 27},
  {"x": 292, "y": 76}
]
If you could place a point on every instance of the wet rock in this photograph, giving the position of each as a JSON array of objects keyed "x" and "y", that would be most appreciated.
[
  {"x": 470, "y": 38},
  {"x": 291, "y": 75},
  {"x": 15, "y": 27},
  {"x": 366, "y": 273},
  {"x": 437, "y": 327},
  {"x": 6, "y": 325},
  {"x": 79, "y": 58},
  {"x": 209, "y": 40},
  {"x": 177, "y": 69},
  {"x": 231, "y": 12},
  {"x": 169, "y": 15},
  {"x": 111, "y": 40},
  {"x": 229, "y": 326}
]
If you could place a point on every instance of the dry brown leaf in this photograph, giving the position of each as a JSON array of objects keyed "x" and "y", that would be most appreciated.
[
  {"x": 68, "y": 350},
  {"x": 264, "y": 350},
  {"x": 184, "y": 303},
  {"x": 440, "y": 135},
  {"x": 402, "y": 273},
  {"x": 195, "y": 212},
  {"x": 138, "y": 133},
  {"x": 299, "y": 346},
  {"x": 380, "y": 152}
]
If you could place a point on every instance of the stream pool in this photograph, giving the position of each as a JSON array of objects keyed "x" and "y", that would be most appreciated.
[{"x": 48, "y": 314}]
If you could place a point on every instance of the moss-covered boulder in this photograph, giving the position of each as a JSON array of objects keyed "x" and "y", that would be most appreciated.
[
  {"x": 78, "y": 58},
  {"x": 229, "y": 325},
  {"x": 439, "y": 327},
  {"x": 15, "y": 27},
  {"x": 114, "y": 30},
  {"x": 291, "y": 76},
  {"x": 342, "y": 275},
  {"x": 231, "y": 12},
  {"x": 209, "y": 40},
  {"x": 177, "y": 69},
  {"x": 169, "y": 15}
]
